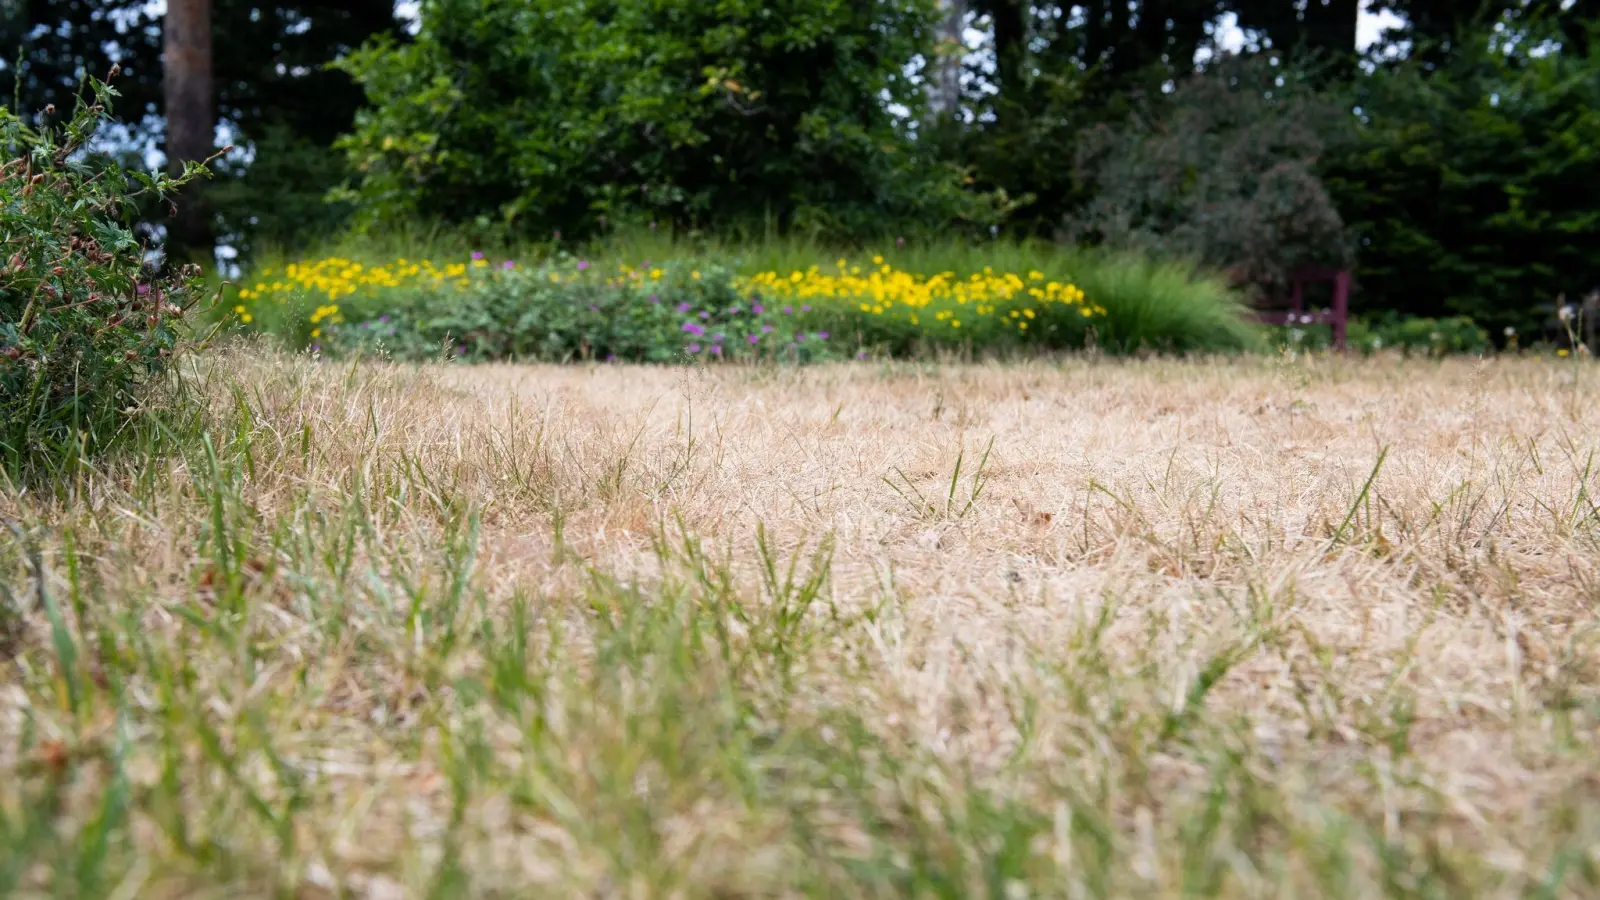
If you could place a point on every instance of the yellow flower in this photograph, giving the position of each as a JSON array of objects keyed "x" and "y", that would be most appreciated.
[
  {"x": 316, "y": 332},
  {"x": 239, "y": 308},
  {"x": 246, "y": 318},
  {"x": 1562, "y": 352}
]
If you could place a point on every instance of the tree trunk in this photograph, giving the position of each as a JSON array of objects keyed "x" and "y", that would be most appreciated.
[
  {"x": 944, "y": 81},
  {"x": 190, "y": 101},
  {"x": 1010, "y": 50}
]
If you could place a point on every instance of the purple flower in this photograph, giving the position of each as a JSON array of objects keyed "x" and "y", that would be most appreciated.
[
  {"x": 716, "y": 349},
  {"x": 719, "y": 336},
  {"x": 861, "y": 354},
  {"x": 693, "y": 348},
  {"x": 583, "y": 264},
  {"x": 508, "y": 264},
  {"x": 683, "y": 307},
  {"x": 316, "y": 348},
  {"x": 611, "y": 357},
  {"x": 800, "y": 336},
  {"x": 654, "y": 299},
  {"x": 822, "y": 335},
  {"x": 477, "y": 255},
  {"x": 142, "y": 289},
  {"x": 806, "y": 308},
  {"x": 758, "y": 309},
  {"x": 704, "y": 314},
  {"x": 755, "y": 338},
  {"x": 766, "y": 328},
  {"x": 788, "y": 310},
  {"x": 694, "y": 328},
  {"x": 733, "y": 310},
  {"x": 593, "y": 308},
  {"x": 383, "y": 320},
  {"x": 461, "y": 349}
]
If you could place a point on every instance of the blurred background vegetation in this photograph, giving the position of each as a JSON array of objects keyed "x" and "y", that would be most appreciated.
[{"x": 1453, "y": 159}]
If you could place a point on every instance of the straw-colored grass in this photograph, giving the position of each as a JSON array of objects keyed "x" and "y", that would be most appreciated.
[{"x": 1317, "y": 628}]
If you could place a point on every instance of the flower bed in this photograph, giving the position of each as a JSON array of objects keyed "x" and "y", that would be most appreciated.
[{"x": 568, "y": 309}]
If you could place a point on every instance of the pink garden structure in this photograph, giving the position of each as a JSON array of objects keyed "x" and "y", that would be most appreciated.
[{"x": 1338, "y": 316}]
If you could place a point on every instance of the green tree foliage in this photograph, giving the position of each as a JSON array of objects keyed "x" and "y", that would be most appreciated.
[
  {"x": 273, "y": 85},
  {"x": 1438, "y": 28},
  {"x": 1475, "y": 187},
  {"x": 547, "y": 115}
]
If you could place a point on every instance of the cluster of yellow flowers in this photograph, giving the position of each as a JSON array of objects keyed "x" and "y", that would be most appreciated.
[
  {"x": 946, "y": 301},
  {"x": 883, "y": 290},
  {"x": 337, "y": 277}
]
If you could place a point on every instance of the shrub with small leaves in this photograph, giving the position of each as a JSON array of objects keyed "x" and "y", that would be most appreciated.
[{"x": 88, "y": 331}]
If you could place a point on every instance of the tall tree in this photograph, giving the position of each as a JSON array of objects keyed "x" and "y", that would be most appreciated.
[
  {"x": 191, "y": 108},
  {"x": 944, "y": 77}
]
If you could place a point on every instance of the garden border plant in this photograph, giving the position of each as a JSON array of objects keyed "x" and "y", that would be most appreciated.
[
  {"x": 796, "y": 301},
  {"x": 89, "y": 330}
]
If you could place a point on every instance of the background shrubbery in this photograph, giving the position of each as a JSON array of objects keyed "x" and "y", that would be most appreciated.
[
  {"x": 1453, "y": 163},
  {"x": 1221, "y": 170}
]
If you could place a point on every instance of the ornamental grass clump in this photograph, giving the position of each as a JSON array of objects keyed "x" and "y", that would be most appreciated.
[{"x": 88, "y": 333}]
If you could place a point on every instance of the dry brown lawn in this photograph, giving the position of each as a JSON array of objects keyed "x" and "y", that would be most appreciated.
[{"x": 1262, "y": 628}]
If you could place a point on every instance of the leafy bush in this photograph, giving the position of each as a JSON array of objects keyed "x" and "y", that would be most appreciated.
[
  {"x": 1221, "y": 171},
  {"x": 568, "y": 116},
  {"x": 86, "y": 331}
]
